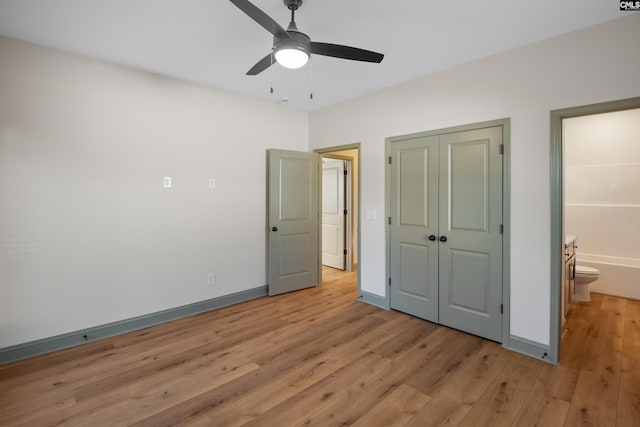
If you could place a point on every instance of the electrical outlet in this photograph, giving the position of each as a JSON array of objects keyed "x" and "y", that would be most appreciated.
[
  {"x": 211, "y": 279},
  {"x": 212, "y": 183}
]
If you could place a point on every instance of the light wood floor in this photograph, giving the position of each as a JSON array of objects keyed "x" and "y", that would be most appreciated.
[{"x": 319, "y": 357}]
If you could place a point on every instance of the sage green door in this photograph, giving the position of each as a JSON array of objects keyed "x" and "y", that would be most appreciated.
[
  {"x": 414, "y": 218},
  {"x": 470, "y": 220},
  {"x": 448, "y": 188},
  {"x": 293, "y": 224}
]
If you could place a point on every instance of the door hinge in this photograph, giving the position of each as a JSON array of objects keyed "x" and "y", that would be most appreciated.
[
  {"x": 389, "y": 220},
  {"x": 501, "y": 229},
  {"x": 501, "y": 148},
  {"x": 389, "y": 159},
  {"x": 389, "y": 281},
  {"x": 345, "y": 211},
  {"x": 345, "y": 172},
  {"x": 501, "y": 308}
]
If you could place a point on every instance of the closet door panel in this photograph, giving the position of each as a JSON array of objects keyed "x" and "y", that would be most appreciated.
[
  {"x": 470, "y": 204},
  {"x": 414, "y": 216}
]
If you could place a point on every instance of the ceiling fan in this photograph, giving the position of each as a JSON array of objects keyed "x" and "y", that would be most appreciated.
[{"x": 291, "y": 48}]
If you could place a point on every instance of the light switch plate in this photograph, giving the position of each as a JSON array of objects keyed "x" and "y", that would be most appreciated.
[{"x": 166, "y": 183}]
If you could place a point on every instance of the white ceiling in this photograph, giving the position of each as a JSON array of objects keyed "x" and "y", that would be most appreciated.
[{"x": 213, "y": 43}]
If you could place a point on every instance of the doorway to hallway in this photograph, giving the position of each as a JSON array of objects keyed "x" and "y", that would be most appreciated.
[{"x": 342, "y": 243}]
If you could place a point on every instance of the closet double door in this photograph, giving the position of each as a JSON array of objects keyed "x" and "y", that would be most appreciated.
[{"x": 445, "y": 234}]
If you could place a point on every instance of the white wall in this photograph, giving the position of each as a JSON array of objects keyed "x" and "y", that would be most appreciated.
[
  {"x": 584, "y": 67},
  {"x": 602, "y": 185},
  {"x": 87, "y": 233}
]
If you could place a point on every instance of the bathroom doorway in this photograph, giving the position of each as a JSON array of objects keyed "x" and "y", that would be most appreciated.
[{"x": 587, "y": 143}]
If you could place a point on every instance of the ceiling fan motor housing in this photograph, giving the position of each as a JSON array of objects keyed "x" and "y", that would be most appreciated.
[
  {"x": 293, "y": 4},
  {"x": 298, "y": 40}
]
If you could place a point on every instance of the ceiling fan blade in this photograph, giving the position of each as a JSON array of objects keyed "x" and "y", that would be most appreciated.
[
  {"x": 261, "y": 18},
  {"x": 345, "y": 52},
  {"x": 261, "y": 65}
]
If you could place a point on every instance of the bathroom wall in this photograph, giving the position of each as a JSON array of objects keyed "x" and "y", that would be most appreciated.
[{"x": 602, "y": 196}]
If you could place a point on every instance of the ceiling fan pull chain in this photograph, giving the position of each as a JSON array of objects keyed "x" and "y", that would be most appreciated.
[
  {"x": 271, "y": 74},
  {"x": 311, "y": 78}
]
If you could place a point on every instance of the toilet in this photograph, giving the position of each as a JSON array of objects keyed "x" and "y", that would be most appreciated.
[{"x": 584, "y": 275}]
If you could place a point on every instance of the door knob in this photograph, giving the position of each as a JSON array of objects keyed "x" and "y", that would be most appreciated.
[
  {"x": 432, "y": 237},
  {"x": 274, "y": 228},
  {"x": 443, "y": 238}
]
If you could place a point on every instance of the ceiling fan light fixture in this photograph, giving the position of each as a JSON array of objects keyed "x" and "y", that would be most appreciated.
[
  {"x": 291, "y": 56},
  {"x": 291, "y": 48}
]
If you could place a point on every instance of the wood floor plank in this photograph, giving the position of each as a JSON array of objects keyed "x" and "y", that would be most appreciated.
[
  {"x": 20, "y": 411},
  {"x": 631, "y": 344},
  {"x": 127, "y": 376},
  {"x": 103, "y": 360},
  {"x": 443, "y": 364},
  {"x": 98, "y": 367},
  {"x": 203, "y": 421},
  {"x": 36, "y": 369},
  {"x": 321, "y": 357},
  {"x": 330, "y": 389},
  {"x": 417, "y": 331},
  {"x": 543, "y": 411},
  {"x": 321, "y": 329},
  {"x": 502, "y": 401},
  {"x": 577, "y": 346},
  {"x": 340, "y": 412},
  {"x": 586, "y": 310},
  {"x": 144, "y": 402},
  {"x": 463, "y": 390},
  {"x": 587, "y": 406},
  {"x": 41, "y": 366},
  {"x": 559, "y": 381},
  {"x": 322, "y": 338},
  {"x": 613, "y": 303},
  {"x": 629, "y": 398},
  {"x": 541, "y": 408},
  {"x": 303, "y": 363},
  {"x": 261, "y": 397},
  {"x": 597, "y": 389},
  {"x": 396, "y": 409},
  {"x": 413, "y": 360},
  {"x": 84, "y": 413}
]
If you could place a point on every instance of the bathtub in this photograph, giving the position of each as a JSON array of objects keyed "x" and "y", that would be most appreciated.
[{"x": 618, "y": 276}]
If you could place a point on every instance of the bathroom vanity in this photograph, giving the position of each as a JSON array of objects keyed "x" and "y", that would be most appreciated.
[{"x": 569, "y": 274}]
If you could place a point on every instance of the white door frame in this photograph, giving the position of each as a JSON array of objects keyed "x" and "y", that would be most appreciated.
[{"x": 348, "y": 206}]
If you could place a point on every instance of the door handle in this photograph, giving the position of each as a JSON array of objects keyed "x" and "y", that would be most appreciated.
[
  {"x": 432, "y": 237},
  {"x": 274, "y": 228},
  {"x": 443, "y": 238}
]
